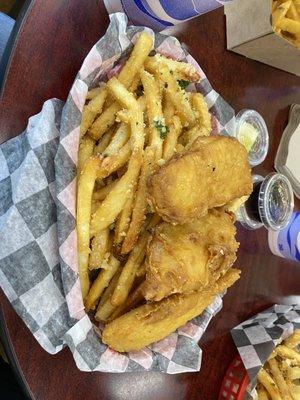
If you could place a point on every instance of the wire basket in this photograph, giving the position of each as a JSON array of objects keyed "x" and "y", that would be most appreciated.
[{"x": 235, "y": 381}]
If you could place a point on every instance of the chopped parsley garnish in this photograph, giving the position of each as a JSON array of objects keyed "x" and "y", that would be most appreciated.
[
  {"x": 183, "y": 84},
  {"x": 161, "y": 127}
]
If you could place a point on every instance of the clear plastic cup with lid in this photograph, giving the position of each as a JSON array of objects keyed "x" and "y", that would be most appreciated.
[
  {"x": 271, "y": 203},
  {"x": 252, "y": 132}
]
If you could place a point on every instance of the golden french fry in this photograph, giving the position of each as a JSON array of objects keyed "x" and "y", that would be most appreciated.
[
  {"x": 100, "y": 194},
  {"x": 293, "y": 13},
  {"x": 95, "y": 206},
  {"x": 279, "y": 379},
  {"x": 156, "y": 120},
  {"x": 141, "y": 271},
  {"x": 104, "y": 141},
  {"x": 114, "y": 162},
  {"x": 180, "y": 69},
  {"x": 86, "y": 184},
  {"x": 171, "y": 140},
  {"x": 268, "y": 383},
  {"x": 92, "y": 93},
  {"x": 136, "y": 60},
  {"x": 91, "y": 110},
  {"x": 100, "y": 283},
  {"x": 178, "y": 96},
  {"x": 110, "y": 288},
  {"x": 129, "y": 271},
  {"x": 203, "y": 115},
  {"x": 86, "y": 148},
  {"x": 114, "y": 202},
  {"x": 295, "y": 391},
  {"x": 134, "y": 299},
  {"x": 262, "y": 394},
  {"x": 286, "y": 352},
  {"x": 100, "y": 248},
  {"x": 289, "y": 25},
  {"x": 293, "y": 340},
  {"x": 280, "y": 12},
  {"x": 140, "y": 203},
  {"x": 168, "y": 108},
  {"x": 294, "y": 373},
  {"x": 123, "y": 220},
  {"x": 154, "y": 321},
  {"x": 132, "y": 66},
  {"x": 104, "y": 121}
]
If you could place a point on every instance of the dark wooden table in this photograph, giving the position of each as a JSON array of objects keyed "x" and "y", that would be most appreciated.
[{"x": 50, "y": 47}]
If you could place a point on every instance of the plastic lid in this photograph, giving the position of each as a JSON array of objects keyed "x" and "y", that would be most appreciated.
[
  {"x": 275, "y": 201},
  {"x": 242, "y": 215},
  {"x": 252, "y": 119}
]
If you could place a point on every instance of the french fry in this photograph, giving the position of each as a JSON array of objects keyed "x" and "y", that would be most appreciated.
[
  {"x": 104, "y": 141},
  {"x": 279, "y": 379},
  {"x": 100, "y": 283},
  {"x": 156, "y": 120},
  {"x": 86, "y": 148},
  {"x": 110, "y": 288},
  {"x": 95, "y": 206},
  {"x": 292, "y": 12},
  {"x": 182, "y": 70},
  {"x": 141, "y": 271},
  {"x": 268, "y": 383},
  {"x": 262, "y": 394},
  {"x": 203, "y": 115},
  {"x": 294, "y": 373},
  {"x": 100, "y": 194},
  {"x": 136, "y": 60},
  {"x": 100, "y": 247},
  {"x": 178, "y": 96},
  {"x": 91, "y": 110},
  {"x": 118, "y": 140},
  {"x": 134, "y": 299},
  {"x": 168, "y": 108},
  {"x": 140, "y": 204},
  {"x": 286, "y": 352},
  {"x": 289, "y": 25},
  {"x": 86, "y": 184},
  {"x": 129, "y": 271},
  {"x": 104, "y": 121},
  {"x": 293, "y": 340},
  {"x": 114, "y": 202},
  {"x": 123, "y": 220},
  {"x": 171, "y": 140},
  {"x": 280, "y": 12},
  {"x": 295, "y": 391},
  {"x": 114, "y": 162},
  {"x": 132, "y": 66},
  {"x": 92, "y": 93}
]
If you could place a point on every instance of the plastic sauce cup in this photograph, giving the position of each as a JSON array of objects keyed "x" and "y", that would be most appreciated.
[
  {"x": 271, "y": 203},
  {"x": 252, "y": 132}
]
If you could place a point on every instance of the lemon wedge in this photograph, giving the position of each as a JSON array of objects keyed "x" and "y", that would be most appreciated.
[{"x": 248, "y": 135}]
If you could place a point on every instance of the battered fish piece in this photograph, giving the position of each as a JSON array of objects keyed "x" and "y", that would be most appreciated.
[
  {"x": 183, "y": 258},
  {"x": 152, "y": 322},
  {"x": 213, "y": 172}
]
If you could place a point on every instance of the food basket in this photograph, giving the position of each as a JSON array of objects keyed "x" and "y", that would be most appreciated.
[{"x": 235, "y": 381}]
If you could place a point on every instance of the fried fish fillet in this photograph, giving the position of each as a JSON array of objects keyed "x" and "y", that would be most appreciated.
[
  {"x": 213, "y": 172},
  {"x": 152, "y": 322},
  {"x": 183, "y": 258}
]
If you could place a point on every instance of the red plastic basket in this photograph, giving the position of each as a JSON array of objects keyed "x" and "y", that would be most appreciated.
[{"x": 235, "y": 381}]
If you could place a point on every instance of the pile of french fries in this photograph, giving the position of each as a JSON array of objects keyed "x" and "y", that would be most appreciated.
[
  {"x": 130, "y": 125},
  {"x": 279, "y": 379},
  {"x": 286, "y": 20}
]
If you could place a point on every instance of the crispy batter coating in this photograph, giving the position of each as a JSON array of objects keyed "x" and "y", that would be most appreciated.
[
  {"x": 183, "y": 258},
  {"x": 214, "y": 171},
  {"x": 154, "y": 321}
]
